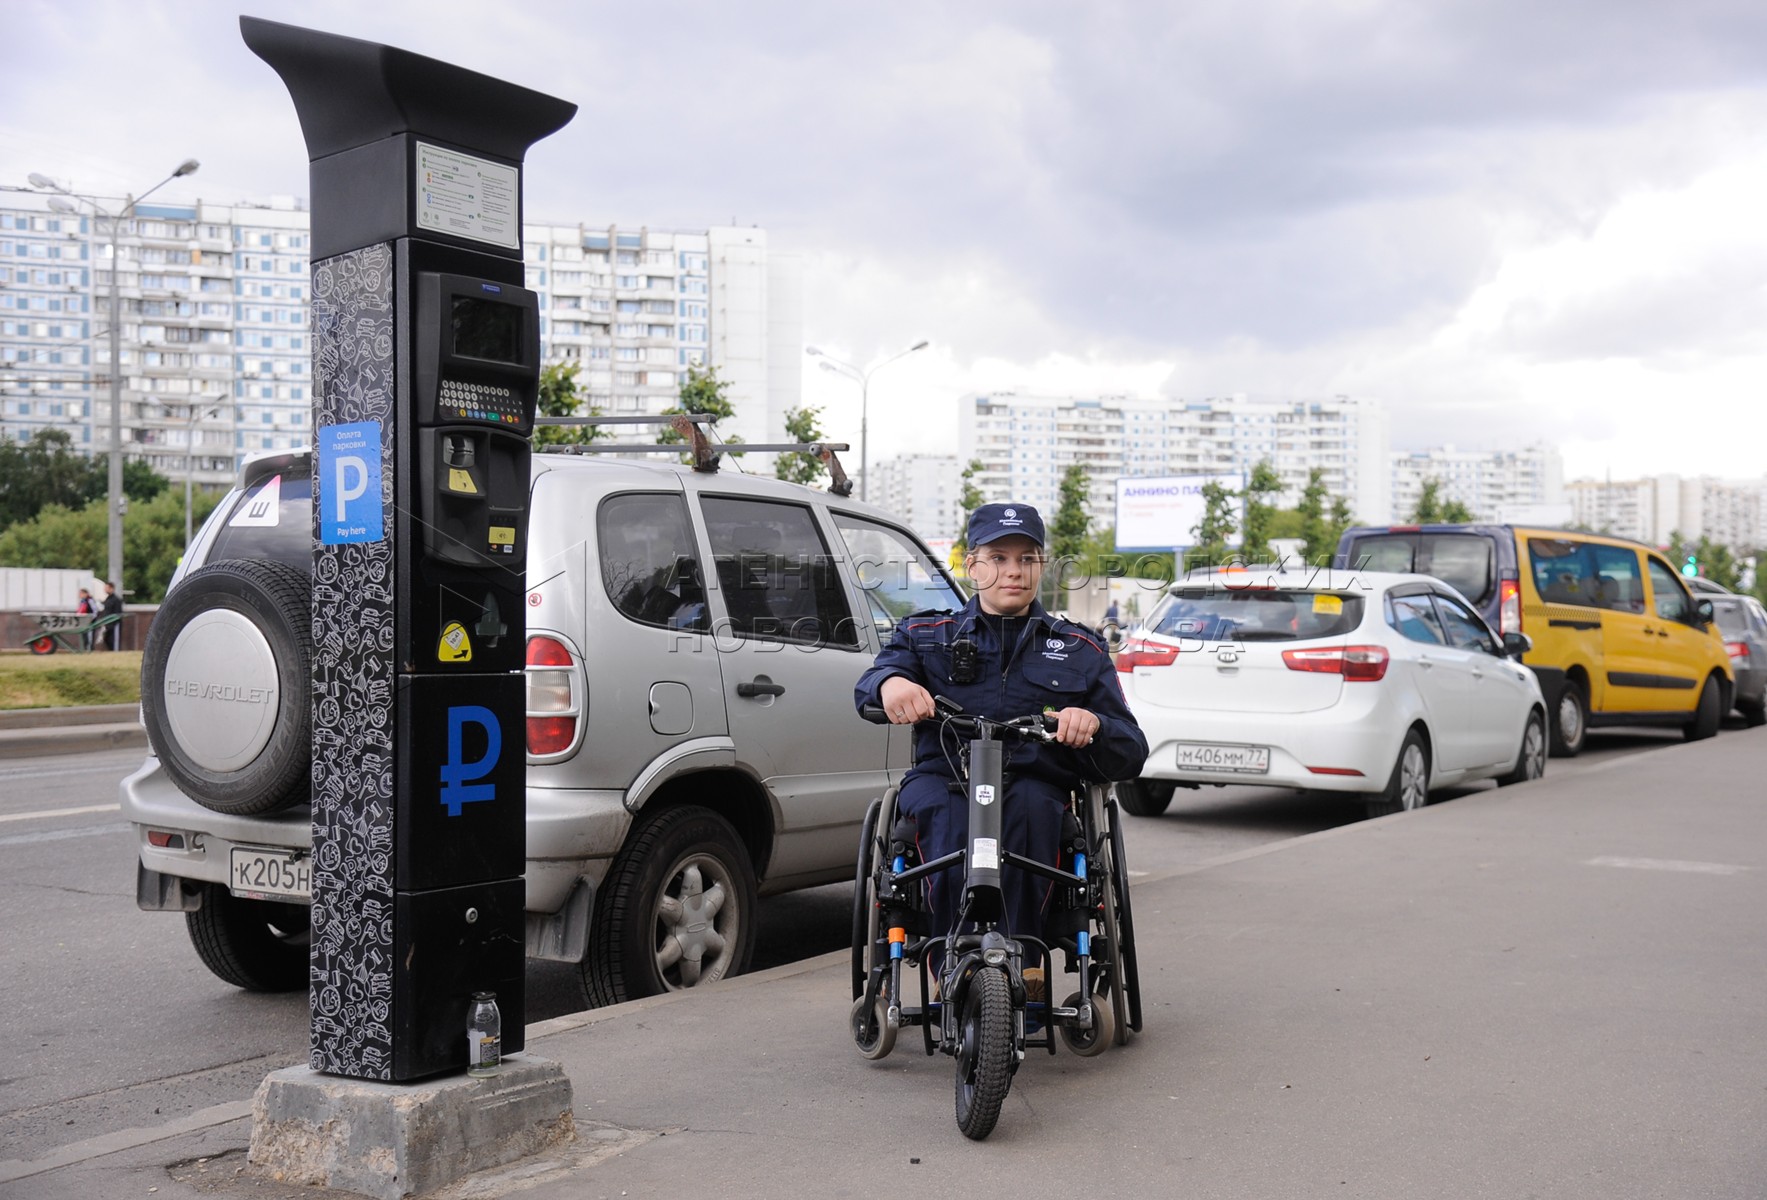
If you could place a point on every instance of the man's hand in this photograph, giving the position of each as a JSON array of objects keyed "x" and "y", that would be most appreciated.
[
  {"x": 905, "y": 701},
  {"x": 1075, "y": 727}
]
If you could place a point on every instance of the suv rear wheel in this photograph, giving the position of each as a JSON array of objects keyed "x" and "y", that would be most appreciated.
[
  {"x": 677, "y": 910},
  {"x": 225, "y": 684},
  {"x": 257, "y": 945}
]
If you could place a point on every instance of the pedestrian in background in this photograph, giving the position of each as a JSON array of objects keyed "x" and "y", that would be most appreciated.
[
  {"x": 88, "y": 609},
  {"x": 113, "y": 606}
]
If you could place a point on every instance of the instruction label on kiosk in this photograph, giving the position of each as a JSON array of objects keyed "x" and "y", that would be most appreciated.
[
  {"x": 466, "y": 196},
  {"x": 350, "y": 508}
]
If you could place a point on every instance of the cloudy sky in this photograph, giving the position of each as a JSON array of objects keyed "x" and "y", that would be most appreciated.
[{"x": 1510, "y": 220}]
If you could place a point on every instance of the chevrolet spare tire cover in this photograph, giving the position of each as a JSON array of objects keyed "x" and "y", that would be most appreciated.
[{"x": 225, "y": 682}]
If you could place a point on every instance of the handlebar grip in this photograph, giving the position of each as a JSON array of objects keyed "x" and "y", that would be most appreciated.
[{"x": 875, "y": 714}]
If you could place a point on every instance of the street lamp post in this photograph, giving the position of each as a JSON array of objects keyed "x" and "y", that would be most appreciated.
[
  {"x": 197, "y": 413},
  {"x": 64, "y": 202},
  {"x": 830, "y": 363}
]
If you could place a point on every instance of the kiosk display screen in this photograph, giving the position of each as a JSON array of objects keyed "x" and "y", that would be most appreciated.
[{"x": 486, "y": 329}]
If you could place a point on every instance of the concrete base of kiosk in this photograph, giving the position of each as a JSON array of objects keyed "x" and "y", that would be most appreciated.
[{"x": 391, "y": 1140}]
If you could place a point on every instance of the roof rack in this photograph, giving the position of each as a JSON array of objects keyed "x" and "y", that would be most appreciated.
[{"x": 705, "y": 457}]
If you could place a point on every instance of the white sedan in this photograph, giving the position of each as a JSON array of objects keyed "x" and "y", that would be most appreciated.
[{"x": 1381, "y": 684}]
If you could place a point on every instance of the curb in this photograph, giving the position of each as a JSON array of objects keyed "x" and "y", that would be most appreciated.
[
  {"x": 61, "y": 718},
  {"x": 76, "y": 739}
]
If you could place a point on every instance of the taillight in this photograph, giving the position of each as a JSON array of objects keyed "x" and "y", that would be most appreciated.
[
  {"x": 553, "y": 705},
  {"x": 1509, "y": 607},
  {"x": 1138, "y": 652},
  {"x": 1357, "y": 664},
  {"x": 1737, "y": 650}
]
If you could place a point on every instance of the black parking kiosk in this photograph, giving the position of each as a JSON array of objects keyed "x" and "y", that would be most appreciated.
[{"x": 426, "y": 357}]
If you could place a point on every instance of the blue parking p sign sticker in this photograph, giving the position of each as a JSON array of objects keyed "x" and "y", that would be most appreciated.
[{"x": 349, "y": 484}]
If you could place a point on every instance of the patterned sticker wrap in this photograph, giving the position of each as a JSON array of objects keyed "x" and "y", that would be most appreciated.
[{"x": 352, "y": 914}]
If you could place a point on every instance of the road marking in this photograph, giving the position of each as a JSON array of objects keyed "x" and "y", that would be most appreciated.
[
  {"x": 61, "y": 812},
  {"x": 57, "y": 835},
  {"x": 1667, "y": 864}
]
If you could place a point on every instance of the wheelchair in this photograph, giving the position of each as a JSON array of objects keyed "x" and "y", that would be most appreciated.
[{"x": 979, "y": 1012}]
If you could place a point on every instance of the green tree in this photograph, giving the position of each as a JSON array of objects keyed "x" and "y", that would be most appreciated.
[
  {"x": 1432, "y": 509},
  {"x": 48, "y": 470},
  {"x": 1339, "y": 521},
  {"x": 969, "y": 499},
  {"x": 153, "y": 540},
  {"x": 701, "y": 392},
  {"x": 1314, "y": 528},
  {"x": 1715, "y": 560},
  {"x": 796, "y": 466},
  {"x": 1067, "y": 533},
  {"x": 560, "y": 397},
  {"x": 1208, "y": 537},
  {"x": 1260, "y": 513}
]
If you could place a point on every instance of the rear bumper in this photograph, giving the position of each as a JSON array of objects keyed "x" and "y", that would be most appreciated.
[
  {"x": 571, "y": 835},
  {"x": 1356, "y": 734}
]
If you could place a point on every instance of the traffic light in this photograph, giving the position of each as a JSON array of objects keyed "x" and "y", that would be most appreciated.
[{"x": 1691, "y": 567}]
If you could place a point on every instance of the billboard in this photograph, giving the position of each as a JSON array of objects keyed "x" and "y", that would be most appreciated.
[{"x": 1158, "y": 512}]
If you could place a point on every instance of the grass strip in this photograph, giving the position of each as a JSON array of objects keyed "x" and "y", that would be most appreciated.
[{"x": 66, "y": 680}]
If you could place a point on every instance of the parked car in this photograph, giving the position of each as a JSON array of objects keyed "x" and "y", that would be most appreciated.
[
  {"x": 1382, "y": 685},
  {"x": 1743, "y": 623},
  {"x": 692, "y": 646},
  {"x": 1618, "y": 639}
]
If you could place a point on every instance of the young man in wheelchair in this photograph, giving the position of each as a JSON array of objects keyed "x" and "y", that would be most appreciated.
[{"x": 1002, "y": 656}]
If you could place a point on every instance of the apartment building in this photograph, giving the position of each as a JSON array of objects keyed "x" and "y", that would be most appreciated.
[
  {"x": 1731, "y": 512},
  {"x": 215, "y": 343},
  {"x": 1026, "y": 442},
  {"x": 639, "y": 307},
  {"x": 925, "y": 490},
  {"x": 45, "y": 325},
  {"x": 1494, "y": 486}
]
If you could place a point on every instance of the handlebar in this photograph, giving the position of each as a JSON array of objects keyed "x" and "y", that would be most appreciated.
[{"x": 1038, "y": 727}]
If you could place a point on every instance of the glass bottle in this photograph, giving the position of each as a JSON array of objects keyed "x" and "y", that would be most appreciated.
[{"x": 484, "y": 1035}]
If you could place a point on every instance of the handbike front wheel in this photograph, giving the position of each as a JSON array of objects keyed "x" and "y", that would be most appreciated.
[{"x": 984, "y": 1053}]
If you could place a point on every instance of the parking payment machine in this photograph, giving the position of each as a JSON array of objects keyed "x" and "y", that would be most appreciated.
[{"x": 426, "y": 359}]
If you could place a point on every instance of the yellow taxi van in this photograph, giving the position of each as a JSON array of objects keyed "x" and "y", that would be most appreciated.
[{"x": 1617, "y": 638}]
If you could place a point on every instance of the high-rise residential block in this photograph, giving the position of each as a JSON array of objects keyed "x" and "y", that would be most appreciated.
[
  {"x": 1494, "y": 486},
  {"x": 924, "y": 490},
  {"x": 1731, "y": 512},
  {"x": 1026, "y": 442},
  {"x": 215, "y": 313}
]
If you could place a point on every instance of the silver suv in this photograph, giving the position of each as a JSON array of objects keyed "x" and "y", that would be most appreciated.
[{"x": 693, "y": 640}]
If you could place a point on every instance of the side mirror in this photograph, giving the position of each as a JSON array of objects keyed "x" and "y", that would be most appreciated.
[
  {"x": 1703, "y": 613},
  {"x": 1516, "y": 644}
]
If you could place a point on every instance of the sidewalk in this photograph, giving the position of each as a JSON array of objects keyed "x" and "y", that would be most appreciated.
[{"x": 1552, "y": 990}]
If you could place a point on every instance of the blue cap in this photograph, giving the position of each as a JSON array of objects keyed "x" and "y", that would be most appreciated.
[{"x": 991, "y": 522}]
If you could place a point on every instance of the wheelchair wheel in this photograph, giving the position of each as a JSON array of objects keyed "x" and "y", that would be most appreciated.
[
  {"x": 865, "y": 898},
  {"x": 1128, "y": 969},
  {"x": 984, "y": 1053},
  {"x": 1088, "y": 1043},
  {"x": 872, "y": 1033}
]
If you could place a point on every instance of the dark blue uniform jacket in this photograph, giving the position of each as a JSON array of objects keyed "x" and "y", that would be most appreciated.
[{"x": 1051, "y": 664}]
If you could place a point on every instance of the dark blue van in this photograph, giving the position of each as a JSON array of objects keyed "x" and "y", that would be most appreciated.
[{"x": 1480, "y": 561}]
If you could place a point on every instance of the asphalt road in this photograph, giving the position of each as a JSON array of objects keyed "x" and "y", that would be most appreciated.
[{"x": 115, "y": 1024}]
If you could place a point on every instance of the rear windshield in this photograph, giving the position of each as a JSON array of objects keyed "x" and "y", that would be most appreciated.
[
  {"x": 1733, "y": 618},
  {"x": 1466, "y": 561},
  {"x": 274, "y": 520},
  {"x": 1255, "y": 615}
]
